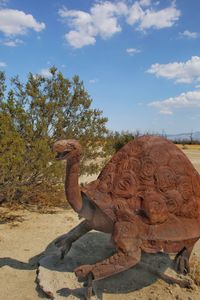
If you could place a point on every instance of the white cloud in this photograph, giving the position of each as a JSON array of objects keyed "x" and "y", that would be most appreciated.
[
  {"x": 78, "y": 39},
  {"x": 2, "y": 64},
  {"x": 92, "y": 81},
  {"x": 16, "y": 22},
  {"x": 151, "y": 18},
  {"x": 132, "y": 51},
  {"x": 160, "y": 19},
  {"x": 136, "y": 14},
  {"x": 45, "y": 73},
  {"x": 104, "y": 18},
  {"x": 166, "y": 112},
  {"x": 181, "y": 72},
  {"x": 12, "y": 42},
  {"x": 185, "y": 100},
  {"x": 189, "y": 34},
  {"x": 145, "y": 2},
  {"x": 84, "y": 32}
]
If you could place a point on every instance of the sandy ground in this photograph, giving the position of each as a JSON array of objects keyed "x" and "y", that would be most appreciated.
[{"x": 21, "y": 245}]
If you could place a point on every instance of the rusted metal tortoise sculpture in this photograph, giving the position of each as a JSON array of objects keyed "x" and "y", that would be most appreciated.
[{"x": 147, "y": 197}]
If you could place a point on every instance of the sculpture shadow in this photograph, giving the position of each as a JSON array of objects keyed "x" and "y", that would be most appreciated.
[
  {"x": 32, "y": 264},
  {"x": 94, "y": 247},
  {"x": 91, "y": 248}
]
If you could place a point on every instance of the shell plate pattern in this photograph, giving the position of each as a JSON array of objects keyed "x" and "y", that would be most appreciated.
[{"x": 149, "y": 177}]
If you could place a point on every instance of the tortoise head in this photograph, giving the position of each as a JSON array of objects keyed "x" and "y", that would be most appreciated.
[{"x": 66, "y": 149}]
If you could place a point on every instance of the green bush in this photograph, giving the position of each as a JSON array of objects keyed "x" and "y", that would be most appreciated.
[
  {"x": 116, "y": 140},
  {"x": 33, "y": 115}
]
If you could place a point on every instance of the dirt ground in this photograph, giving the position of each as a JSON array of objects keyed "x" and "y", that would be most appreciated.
[{"x": 23, "y": 240}]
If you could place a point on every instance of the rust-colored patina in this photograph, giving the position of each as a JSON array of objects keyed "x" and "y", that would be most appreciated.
[{"x": 147, "y": 197}]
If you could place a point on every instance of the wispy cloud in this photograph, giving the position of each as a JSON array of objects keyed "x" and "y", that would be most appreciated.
[
  {"x": 2, "y": 64},
  {"x": 92, "y": 81},
  {"x": 103, "y": 20},
  {"x": 15, "y": 22},
  {"x": 132, "y": 51},
  {"x": 181, "y": 72},
  {"x": 189, "y": 34},
  {"x": 11, "y": 42},
  {"x": 145, "y": 2},
  {"x": 45, "y": 73},
  {"x": 185, "y": 100}
]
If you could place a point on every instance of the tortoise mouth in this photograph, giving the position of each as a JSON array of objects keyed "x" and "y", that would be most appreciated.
[{"x": 62, "y": 155}]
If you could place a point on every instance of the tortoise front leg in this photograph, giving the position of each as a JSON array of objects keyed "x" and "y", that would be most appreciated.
[
  {"x": 125, "y": 236},
  {"x": 66, "y": 240}
]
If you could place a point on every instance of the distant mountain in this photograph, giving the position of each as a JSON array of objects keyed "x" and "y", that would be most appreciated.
[{"x": 185, "y": 136}]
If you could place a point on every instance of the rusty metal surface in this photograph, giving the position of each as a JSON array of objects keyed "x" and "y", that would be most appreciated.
[
  {"x": 149, "y": 174},
  {"x": 147, "y": 196}
]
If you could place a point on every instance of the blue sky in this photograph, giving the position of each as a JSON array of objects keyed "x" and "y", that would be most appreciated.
[{"x": 139, "y": 60}]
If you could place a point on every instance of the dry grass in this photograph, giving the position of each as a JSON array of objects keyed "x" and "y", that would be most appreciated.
[
  {"x": 188, "y": 147},
  {"x": 195, "y": 269},
  {"x": 8, "y": 217},
  {"x": 41, "y": 202}
]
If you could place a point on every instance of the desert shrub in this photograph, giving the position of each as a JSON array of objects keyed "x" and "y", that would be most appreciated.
[
  {"x": 116, "y": 140},
  {"x": 33, "y": 115}
]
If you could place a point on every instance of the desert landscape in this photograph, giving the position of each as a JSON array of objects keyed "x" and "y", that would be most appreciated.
[
  {"x": 26, "y": 239},
  {"x": 78, "y": 81}
]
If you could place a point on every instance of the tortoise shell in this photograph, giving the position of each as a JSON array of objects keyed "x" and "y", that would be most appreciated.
[{"x": 149, "y": 177}]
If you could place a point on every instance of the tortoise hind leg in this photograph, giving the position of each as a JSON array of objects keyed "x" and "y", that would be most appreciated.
[{"x": 182, "y": 260}]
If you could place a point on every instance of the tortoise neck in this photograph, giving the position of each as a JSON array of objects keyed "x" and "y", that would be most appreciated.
[{"x": 72, "y": 189}]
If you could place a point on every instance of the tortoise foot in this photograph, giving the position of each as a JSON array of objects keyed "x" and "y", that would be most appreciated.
[
  {"x": 64, "y": 251},
  {"x": 182, "y": 262},
  {"x": 63, "y": 246},
  {"x": 84, "y": 273},
  {"x": 65, "y": 241},
  {"x": 89, "y": 291}
]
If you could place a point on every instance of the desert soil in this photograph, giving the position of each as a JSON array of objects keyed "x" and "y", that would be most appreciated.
[{"x": 22, "y": 245}]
